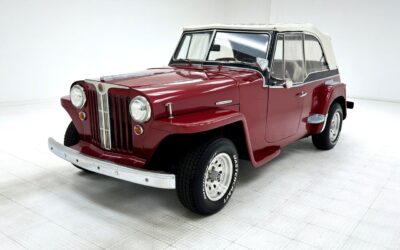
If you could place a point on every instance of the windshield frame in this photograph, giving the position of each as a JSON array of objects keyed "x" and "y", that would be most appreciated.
[{"x": 175, "y": 61}]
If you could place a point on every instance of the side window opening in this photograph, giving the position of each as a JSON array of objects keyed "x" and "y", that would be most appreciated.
[
  {"x": 277, "y": 62},
  {"x": 194, "y": 46},
  {"x": 288, "y": 61},
  {"x": 294, "y": 57},
  {"x": 315, "y": 58},
  {"x": 184, "y": 47}
]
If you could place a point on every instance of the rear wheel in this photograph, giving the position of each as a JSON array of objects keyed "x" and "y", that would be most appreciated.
[
  {"x": 71, "y": 138},
  {"x": 328, "y": 138},
  {"x": 206, "y": 176}
]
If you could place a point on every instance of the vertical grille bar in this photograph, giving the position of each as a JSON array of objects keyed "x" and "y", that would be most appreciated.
[
  {"x": 104, "y": 120},
  {"x": 127, "y": 123},
  {"x": 94, "y": 121},
  {"x": 121, "y": 135},
  {"x": 113, "y": 121}
]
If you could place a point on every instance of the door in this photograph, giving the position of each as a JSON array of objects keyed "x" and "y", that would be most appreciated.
[{"x": 285, "y": 103}]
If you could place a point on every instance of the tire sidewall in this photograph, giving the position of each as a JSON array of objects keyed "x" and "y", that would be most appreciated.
[
  {"x": 335, "y": 108},
  {"x": 201, "y": 199}
]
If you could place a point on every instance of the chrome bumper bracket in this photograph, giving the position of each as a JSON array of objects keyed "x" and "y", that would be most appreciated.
[
  {"x": 316, "y": 119},
  {"x": 138, "y": 176}
]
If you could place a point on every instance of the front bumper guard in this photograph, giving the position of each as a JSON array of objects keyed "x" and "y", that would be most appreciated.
[{"x": 138, "y": 176}]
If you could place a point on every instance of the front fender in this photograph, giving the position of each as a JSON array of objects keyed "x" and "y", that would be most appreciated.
[
  {"x": 198, "y": 121},
  {"x": 205, "y": 121}
]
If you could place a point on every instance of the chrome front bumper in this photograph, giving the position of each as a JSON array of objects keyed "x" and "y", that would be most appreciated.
[{"x": 139, "y": 176}]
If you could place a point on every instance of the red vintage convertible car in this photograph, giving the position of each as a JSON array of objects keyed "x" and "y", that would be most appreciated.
[{"x": 230, "y": 92}]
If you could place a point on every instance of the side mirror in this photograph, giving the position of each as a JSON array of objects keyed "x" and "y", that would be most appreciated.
[
  {"x": 216, "y": 47},
  {"x": 262, "y": 64},
  {"x": 288, "y": 83}
]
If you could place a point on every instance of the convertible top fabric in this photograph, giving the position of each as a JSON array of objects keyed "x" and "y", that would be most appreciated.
[{"x": 307, "y": 28}]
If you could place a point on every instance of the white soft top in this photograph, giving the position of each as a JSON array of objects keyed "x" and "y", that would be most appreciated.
[{"x": 308, "y": 28}]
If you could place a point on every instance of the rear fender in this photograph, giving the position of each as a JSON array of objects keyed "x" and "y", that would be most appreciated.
[{"x": 323, "y": 97}]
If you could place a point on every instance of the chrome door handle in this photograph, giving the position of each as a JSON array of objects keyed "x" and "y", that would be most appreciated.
[{"x": 302, "y": 94}]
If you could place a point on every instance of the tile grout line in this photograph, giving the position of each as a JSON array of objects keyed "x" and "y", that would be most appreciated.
[
  {"x": 50, "y": 220},
  {"x": 5, "y": 235},
  {"x": 365, "y": 213}
]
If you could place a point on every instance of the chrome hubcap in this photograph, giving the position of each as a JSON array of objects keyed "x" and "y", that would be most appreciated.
[
  {"x": 335, "y": 127},
  {"x": 218, "y": 176}
]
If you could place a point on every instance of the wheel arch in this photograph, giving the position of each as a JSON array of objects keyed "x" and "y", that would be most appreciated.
[
  {"x": 342, "y": 101},
  {"x": 167, "y": 154}
]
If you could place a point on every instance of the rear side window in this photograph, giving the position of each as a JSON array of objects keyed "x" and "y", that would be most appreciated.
[{"x": 315, "y": 58}]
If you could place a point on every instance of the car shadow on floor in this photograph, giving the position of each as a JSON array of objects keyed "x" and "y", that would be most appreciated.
[{"x": 137, "y": 201}]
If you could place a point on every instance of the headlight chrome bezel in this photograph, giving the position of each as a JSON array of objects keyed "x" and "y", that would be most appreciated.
[
  {"x": 82, "y": 91},
  {"x": 141, "y": 103}
]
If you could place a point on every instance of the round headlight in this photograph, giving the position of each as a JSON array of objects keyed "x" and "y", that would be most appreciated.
[
  {"x": 140, "y": 109},
  {"x": 78, "y": 97}
]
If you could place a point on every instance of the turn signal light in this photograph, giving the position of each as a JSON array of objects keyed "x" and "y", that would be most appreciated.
[
  {"x": 82, "y": 115},
  {"x": 138, "y": 129}
]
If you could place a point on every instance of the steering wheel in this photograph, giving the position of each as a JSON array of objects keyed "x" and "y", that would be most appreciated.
[{"x": 226, "y": 59}]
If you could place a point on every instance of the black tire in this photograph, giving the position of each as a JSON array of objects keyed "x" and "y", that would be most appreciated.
[
  {"x": 323, "y": 140},
  {"x": 71, "y": 138},
  {"x": 191, "y": 176}
]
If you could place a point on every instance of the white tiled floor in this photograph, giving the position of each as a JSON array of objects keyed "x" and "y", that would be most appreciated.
[{"x": 346, "y": 198}]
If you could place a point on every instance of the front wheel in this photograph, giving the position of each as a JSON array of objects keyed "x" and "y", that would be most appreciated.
[
  {"x": 207, "y": 175},
  {"x": 328, "y": 138}
]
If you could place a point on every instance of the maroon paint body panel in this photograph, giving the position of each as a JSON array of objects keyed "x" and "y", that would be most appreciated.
[{"x": 271, "y": 117}]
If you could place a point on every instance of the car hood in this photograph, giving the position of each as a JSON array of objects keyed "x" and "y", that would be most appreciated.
[{"x": 189, "y": 89}]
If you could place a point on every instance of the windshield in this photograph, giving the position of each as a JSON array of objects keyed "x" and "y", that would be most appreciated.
[{"x": 226, "y": 47}]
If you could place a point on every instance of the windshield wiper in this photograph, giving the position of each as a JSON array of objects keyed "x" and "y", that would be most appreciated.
[
  {"x": 188, "y": 61},
  {"x": 239, "y": 62}
]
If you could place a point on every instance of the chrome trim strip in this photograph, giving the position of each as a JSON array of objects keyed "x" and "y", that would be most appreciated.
[
  {"x": 127, "y": 75},
  {"x": 168, "y": 106},
  {"x": 223, "y": 102},
  {"x": 301, "y": 84},
  {"x": 134, "y": 175},
  {"x": 104, "y": 112}
]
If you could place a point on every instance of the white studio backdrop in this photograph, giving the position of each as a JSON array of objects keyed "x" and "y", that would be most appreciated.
[{"x": 46, "y": 45}]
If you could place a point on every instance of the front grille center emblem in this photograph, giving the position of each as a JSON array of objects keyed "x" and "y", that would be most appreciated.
[{"x": 100, "y": 88}]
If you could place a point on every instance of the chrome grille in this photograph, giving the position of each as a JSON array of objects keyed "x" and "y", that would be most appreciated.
[{"x": 100, "y": 113}]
